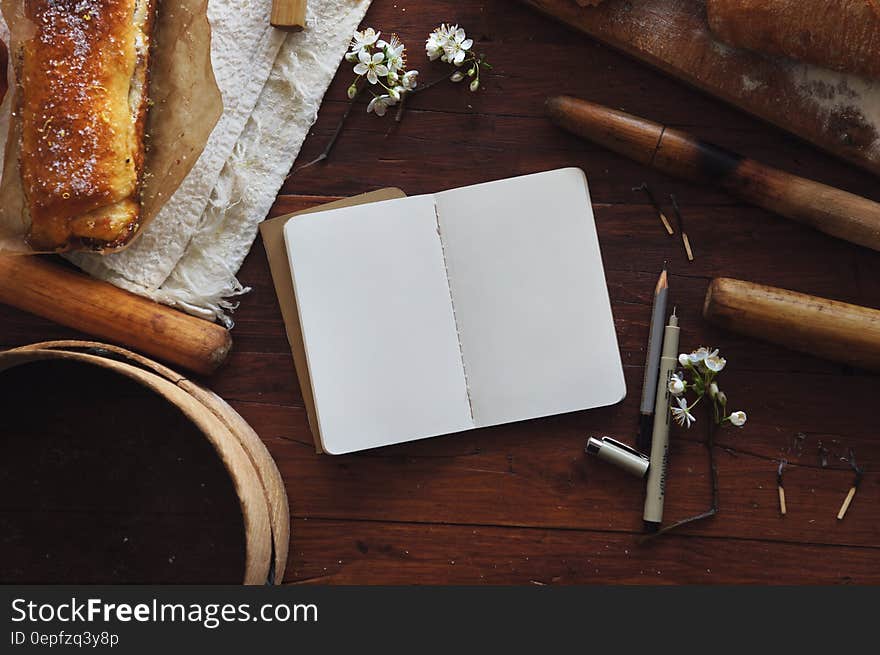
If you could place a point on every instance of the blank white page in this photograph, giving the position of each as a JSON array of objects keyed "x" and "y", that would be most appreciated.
[
  {"x": 529, "y": 294},
  {"x": 377, "y": 324}
]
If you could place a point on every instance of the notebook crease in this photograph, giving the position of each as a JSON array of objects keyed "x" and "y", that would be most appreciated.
[{"x": 467, "y": 386}]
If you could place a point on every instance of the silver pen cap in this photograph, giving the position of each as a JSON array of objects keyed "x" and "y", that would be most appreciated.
[{"x": 622, "y": 456}]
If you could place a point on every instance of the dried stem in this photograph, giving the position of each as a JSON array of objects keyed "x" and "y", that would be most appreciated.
[
  {"x": 402, "y": 104},
  {"x": 713, "y": 477},
  {"x": 326, "y": 152}
]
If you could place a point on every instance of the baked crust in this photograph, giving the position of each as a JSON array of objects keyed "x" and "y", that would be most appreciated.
[{"x": 83, "y": 102}]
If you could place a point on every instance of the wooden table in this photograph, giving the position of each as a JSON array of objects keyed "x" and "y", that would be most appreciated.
[{"x": 520, "y": 504}]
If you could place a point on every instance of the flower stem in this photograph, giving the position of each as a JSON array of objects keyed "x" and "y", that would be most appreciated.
[
  {"x": 713, "y": 477},
  {"x": 401, "y": 106},
  {"x": 326, "y": 152}
]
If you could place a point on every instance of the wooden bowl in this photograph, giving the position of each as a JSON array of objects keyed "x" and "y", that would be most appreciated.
[{"x": 101, "y": 482}]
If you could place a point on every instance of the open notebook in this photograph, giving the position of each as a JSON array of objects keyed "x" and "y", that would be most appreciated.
[{"x": 441, "y": 313}]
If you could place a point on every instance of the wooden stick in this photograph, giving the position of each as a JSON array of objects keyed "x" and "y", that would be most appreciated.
[
  {"x": 288, "y": 15},
  {"x": 644, "y": 187},
  {"x": 825, "y": 328},
  {"x": 846, "y": 502},
  {"x": 36, "y": 285},
  {"x": 833, "y": 211},
  {"x": 780, "y": 488},
  {"x": 685, "y": 240}
]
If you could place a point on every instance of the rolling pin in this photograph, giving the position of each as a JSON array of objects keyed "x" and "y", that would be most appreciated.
[
  {"x": 826, "y": 328},
  {"x": 288, "y": 15},
  {"x": 833, "y": 211},
  {"x": 98, "y": 308}
]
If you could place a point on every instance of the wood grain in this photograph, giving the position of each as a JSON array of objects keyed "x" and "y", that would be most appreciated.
[
  {"x": 674, "y": 36},
  {"x": 59, "y": 293},
  {"x": 678, "y": 153},
  {"x": 827, "y": 328},
  {"x": 520, "y": 503}
]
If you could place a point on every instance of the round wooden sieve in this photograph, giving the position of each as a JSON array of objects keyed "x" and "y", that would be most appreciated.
[{"x": 254, "y": 476}]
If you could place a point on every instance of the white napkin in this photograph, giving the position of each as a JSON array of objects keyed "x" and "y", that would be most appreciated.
[{"x": 272, "y": 84}]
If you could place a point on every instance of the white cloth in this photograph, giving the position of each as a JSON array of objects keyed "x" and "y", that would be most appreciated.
[{"x": 272, "y": 84}]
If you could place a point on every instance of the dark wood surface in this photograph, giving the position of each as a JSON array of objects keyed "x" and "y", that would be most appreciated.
[
  {"x": 674, "y": 36},
  {"x": 520, "y": 503}
]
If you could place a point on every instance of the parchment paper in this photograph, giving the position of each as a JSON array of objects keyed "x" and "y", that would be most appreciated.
[{"x": 186, "y": 105}]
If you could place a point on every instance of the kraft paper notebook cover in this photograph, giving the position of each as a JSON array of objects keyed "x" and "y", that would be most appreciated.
[
  {"x": 441, "y": 313},
  {"x": 272, "y": 231}
]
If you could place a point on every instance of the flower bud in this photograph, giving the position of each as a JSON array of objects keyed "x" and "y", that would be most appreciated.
[
  {"x": 475, "y": 85},
  {"x": 352, "y": 91},
  {"x": 457, "y": 76},
  {"x": 721, "y": 398},
  {"x": 713, "y": 391},
  {"x": 684, "y": 360},
  {"x": 738, "y": 419},
  {"x": 471, "y": 71}
]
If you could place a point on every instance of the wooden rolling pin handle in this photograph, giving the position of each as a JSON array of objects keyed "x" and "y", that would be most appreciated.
[
  {"x": 833, "y": 211},
  {"x": 826, "y": 328},
  {"x": 288, "y": 15},
  {"x": 836, "y": 212},
  {"x": 38, "y": 286}
]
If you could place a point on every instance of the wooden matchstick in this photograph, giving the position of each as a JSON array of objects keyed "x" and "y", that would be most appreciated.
[
  {"x": 644, "y": 187},
  {"x": 846, "y": 502},
  {"x": 855, "y": 485},
  {"x": 684, "y": 237},
  {"x": 780, "y": 488}
]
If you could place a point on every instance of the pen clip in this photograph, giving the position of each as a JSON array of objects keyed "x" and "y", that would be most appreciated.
[{"x": 625, "y": 447}]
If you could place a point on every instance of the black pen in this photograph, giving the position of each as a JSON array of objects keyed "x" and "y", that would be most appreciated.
[{"x": 652, "y": 363}]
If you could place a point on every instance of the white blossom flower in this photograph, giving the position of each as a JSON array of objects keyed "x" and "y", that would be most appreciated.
[
  {"x": 676, "y": 385},
  {"x": 457, "y": 45},
  {"x": 682, "y": 414},
  {"x": 409, "y": 80},
  {"x": 436, "y": 42},
  {"x": 715, "y": 363},
  {"x": 700, "y": 354},
  {"x": 738, "y": 419},
  {"x": 363, "y": 41},
  {"x": 380, "y": 104},
  {"x": 684, "y": 359},
  {"x": 395, "y": 59},
  {"x": 395, "y": 92},
  {"x": 371, "y": 66}
]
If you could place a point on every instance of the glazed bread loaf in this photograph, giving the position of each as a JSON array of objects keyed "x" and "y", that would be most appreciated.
[
  {"x": 840, "y": 34},
  {"x": 83, "y": 82}
]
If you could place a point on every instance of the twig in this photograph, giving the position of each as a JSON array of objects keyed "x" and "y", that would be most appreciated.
[
  {"x": 713, "y": 476},
  {"x": 326, "y": 152},
  {"x": 644, "y": 187},
  {"x": 402, "y": 104}
]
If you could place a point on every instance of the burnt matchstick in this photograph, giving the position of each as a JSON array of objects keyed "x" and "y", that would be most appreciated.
[
  {"x": 855, "y": 485},
  {"x": 780, "y": 487},
  {"x": 644, "y": 187},
  {"x": 684, "y": 237}
]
